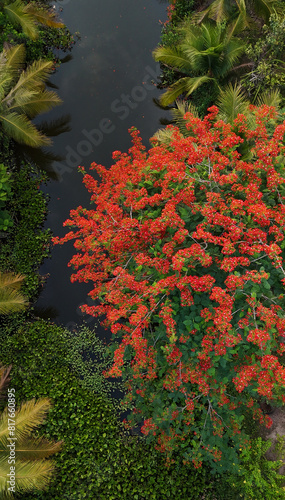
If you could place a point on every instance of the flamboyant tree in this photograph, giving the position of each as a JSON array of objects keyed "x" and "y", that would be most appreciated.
[{"x": 185, "y": 248}]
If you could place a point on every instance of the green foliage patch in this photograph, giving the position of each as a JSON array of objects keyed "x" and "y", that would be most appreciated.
[
  {"x": 5, "y": 193},
  {"x": 25, "y": 246},
  {"x": 98, "y": 459}
]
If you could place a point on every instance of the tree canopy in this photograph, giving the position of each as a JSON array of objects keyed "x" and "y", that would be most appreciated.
[{"x": 185, "y": 251}]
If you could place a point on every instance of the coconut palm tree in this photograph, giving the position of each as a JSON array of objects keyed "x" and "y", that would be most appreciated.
[
  {"x": 246, "y": 12},
  {"x": 32, "y": 470},
  {"x": 23, "y": 96},
  {"x": 28, "y": 16},
  {"x": 11, "y": 299},
  {"x": 206, "y": 54}
]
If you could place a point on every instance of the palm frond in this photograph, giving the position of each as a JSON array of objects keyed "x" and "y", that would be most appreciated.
[
  {"x": 218, "y": 10},
  {"x": 12, "y": 301},
  {"x": 232, "y": 53},
  {"x": 238, "y": 24},
  {"x": 36, "y": 449},
  {"x": 35, "y": 103},
  {"x": 43, "y": 16},
  {"x": 199, "y": 17},
  {"x": 56, "y": 127},
  {"x": 270, "y": 98},
  {"x": 18, "y": 16},
  {"x": 163, "y": 136},
  {"x": 6, "y": 80},
  {"x": 35, "y": 74},
  {"x": 172, "y": 56},
  {"x": 231, "y": 102},
  {"x": 15, "y": 57},
  {"x": 11, "y": 280},
  {"x": 264, "y": 8},
  {"x": 179, "y": 112},
  {"x": 185, "y": 85},
  {"x": 29, "y": 416},
  {"x": 21, "y": 129},
  {"x": 28, "y": 475}
]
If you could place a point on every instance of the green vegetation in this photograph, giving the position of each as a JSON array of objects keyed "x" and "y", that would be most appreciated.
[
  {"x": 205, "y": 54},
  {"x": 26, "y": 460},
  {"x": 23, "y": 96},
  {"x": 187, "y": 62},
  {"x": 25, "y": 245},
  {"x": 98, "y": 458},
  {"x": 5, "y": 193},
  {"x": 11, "y": 299},
  {"x": 28, "y": 16}
]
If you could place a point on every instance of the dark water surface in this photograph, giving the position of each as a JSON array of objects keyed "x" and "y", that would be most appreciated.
[{"x": 106, "y": 88}]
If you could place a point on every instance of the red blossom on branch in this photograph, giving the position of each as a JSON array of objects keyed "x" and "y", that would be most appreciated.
[{"x": 185, "y": 250}]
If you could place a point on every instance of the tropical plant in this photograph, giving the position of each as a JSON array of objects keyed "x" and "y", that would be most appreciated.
[
  {"x": 232, "y": 101},
  {"x": 23, "y": 96},
  {"x": 178, "y": 113},
  {"x": 29, "y": 16},
  {"x": 11, "y": 300},
  {"x": 241, "y": 12},
  {"x": 266, "y": 53},
  {"x": 206, "y": 53},
  {"x": 23, "y": 464},
  {"x": 185, "y": 251}
]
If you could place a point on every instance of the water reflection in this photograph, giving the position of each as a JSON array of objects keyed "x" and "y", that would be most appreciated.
[
  {"x": 108, "y": 87},
  {"x": 43, "y": 158}
]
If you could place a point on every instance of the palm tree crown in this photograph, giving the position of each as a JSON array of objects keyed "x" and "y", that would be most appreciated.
[
  {"x": 206, "y": 53},
  {"x": 23, "y": 96}
]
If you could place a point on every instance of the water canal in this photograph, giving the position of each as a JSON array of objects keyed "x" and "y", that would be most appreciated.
[{"x": 106, "y": 88}]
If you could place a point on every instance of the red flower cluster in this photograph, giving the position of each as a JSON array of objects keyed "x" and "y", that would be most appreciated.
[{"x": 185, "y": 250}]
